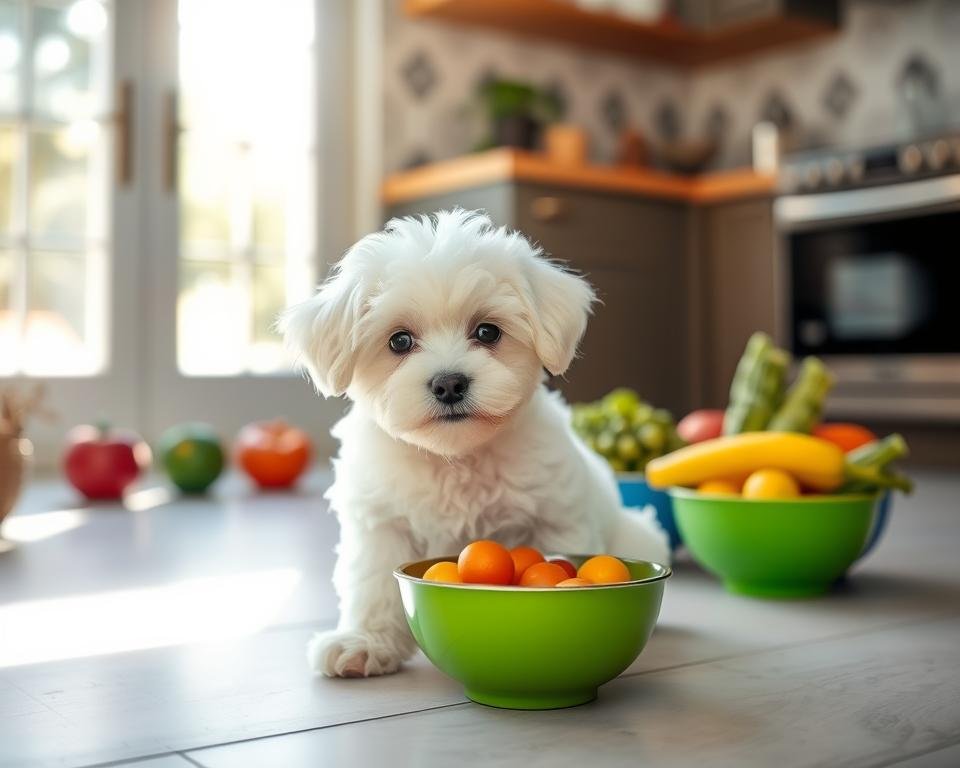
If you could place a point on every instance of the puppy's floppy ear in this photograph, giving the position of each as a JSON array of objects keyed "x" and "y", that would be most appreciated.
[
  {"x": 320, "y": 331},
  {"x": 561, "y": 304}
]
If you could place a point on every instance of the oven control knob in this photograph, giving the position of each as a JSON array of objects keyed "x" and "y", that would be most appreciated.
[
  {"x": 812, "y": 175},
  {"x": 910, "y": 159},
  {"x": 855, "y": 168},
  {"x": 833, "y": 171},
  {"x": 937, "y": 154}
]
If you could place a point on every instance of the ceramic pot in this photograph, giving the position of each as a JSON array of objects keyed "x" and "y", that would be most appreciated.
[{"x": 13, "y": 458}]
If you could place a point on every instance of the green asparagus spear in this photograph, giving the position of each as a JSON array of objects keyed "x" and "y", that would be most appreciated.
[
  {"x": 867, "y": 467},
  {"x": 757, "y": 386},
  {"x": 803, "y": 405}
]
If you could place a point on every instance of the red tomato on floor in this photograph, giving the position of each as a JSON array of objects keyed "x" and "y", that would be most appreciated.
[{"x": 101, "y": 462}]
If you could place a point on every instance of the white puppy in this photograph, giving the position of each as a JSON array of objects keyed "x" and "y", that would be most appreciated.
[{"x": 438, "y": 329}]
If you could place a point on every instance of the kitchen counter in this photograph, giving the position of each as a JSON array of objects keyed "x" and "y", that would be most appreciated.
[
  {"x": 179, "y": 629},
  {"x": 504, "y": 164}
]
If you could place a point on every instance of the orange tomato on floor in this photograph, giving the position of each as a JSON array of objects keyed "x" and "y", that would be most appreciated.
[
  {"x": 567, "y": 566},
  {"x": 604, "y": 569},
  {"x": 273, "y": 453},
  {"x": 523, "y": 558},
  {"x": 445, "y": 571},
  {"x": 543, "y": 575},
  {"x": 485, "y": 562}
]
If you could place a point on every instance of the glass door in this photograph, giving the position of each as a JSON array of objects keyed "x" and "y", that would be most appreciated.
[
  {"x": 234, "y": 215},
  {"x": 66, "y": 265}
]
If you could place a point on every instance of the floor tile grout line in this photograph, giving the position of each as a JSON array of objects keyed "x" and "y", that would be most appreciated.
[
  {"x": 774, "y": 649},
  {"x": 912, "y": 755},
  {"x": 187, "y": 751},
  {"x": 931, "y": 618},
  {"x": 190, "y": 760}
]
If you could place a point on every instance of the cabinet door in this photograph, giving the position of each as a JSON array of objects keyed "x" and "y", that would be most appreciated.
[
  {"x": 737, "y": 288},
  {"x": 632, "y": 251}
]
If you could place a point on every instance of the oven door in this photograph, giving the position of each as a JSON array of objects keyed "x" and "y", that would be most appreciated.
[{"x": 870, "y": 282}]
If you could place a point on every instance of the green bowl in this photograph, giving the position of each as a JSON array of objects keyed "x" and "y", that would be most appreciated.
[
  {"x": 783, "y": 548},
  {"x": 528, "y": 647}
]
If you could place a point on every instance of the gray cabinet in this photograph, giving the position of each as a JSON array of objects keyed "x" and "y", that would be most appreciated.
[
  {"x": 634, "y": 252},
  {"x": 735, "y": 289}
]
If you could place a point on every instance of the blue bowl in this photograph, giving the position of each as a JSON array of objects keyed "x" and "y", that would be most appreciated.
[
  {"x": 635, "y": 492},
  {"x": 881, "y": 516}
]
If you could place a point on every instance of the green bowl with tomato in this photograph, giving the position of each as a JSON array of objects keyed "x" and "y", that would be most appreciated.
[
  {"x": 774, "y": 548},
  {"x": 529, "y": 647}
]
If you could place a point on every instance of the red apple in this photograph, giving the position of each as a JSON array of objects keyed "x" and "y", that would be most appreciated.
[
  {"x": 701, "y": 425},
  {"x": 101, "y": 462}
]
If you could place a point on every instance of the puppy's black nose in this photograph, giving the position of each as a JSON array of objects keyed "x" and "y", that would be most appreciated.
[{"x": 449, "y": 388}]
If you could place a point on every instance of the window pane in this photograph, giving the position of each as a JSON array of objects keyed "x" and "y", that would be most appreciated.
[
  {"x": 269, "y": 203},
  {"x": 60, "y": 181},
  {"x": 56, "y": 324},
  {"x": 66, "y": 69},
  {"x": 205, "y": 190},
  {"x": 269, "y": 299},
  {"x": 11, "y": 54},
  {"x": 212, "y": 318},
  {"x": 8, "y": 155},
  {"x": 246, "y": 179},
  {"x": 8, "y": 321}
]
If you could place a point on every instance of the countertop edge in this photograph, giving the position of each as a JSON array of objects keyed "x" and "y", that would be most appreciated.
[{"x": 505, "y": 165}]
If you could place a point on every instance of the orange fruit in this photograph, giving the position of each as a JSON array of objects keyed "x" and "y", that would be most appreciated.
[
  {"x": 575, "y": 583},
  {"x": 485, "y": 562},
  {"x": 603, "y": 569},
  {"x": 719, "y": 488},
  {"x": 445, "y": 571},
  {"x": 770, "y": 484},
  {"x": 543, "y": 575},
  {"x": 567, "y": 566},
  {"x": 523, "y": 558}
]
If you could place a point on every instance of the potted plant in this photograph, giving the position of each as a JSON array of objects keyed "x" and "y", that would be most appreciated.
[{"x": 515, "y": 112}]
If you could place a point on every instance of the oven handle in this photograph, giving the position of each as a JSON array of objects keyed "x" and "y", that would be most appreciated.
[{"x": 805, "y": 209}]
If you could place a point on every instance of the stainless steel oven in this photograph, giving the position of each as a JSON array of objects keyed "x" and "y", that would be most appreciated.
[{"x": 869, "y": 280}]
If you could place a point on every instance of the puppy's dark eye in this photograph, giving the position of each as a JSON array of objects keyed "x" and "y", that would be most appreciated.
[
  {"x": 487, "y": 333},
  {"x": 401, "y": 342}
]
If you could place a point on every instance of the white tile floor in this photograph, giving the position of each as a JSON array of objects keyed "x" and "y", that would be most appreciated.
[{"x": 174, "y": 635}]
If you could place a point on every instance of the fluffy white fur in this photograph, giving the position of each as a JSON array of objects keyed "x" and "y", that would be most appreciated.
[{"x": 411, "y": 485}]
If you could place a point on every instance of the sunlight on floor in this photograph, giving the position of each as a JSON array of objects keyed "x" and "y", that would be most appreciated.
[
  {"x": 24, "y": 529},
  {"x": 189, "y": 611}
]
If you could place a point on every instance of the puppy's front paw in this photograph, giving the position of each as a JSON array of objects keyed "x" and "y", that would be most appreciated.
[{"x": 339, "y": 653}]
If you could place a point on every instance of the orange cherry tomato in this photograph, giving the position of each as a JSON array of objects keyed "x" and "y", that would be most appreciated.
[
  {"x": 575, "y": 583},
  {"x": 847, "y": 436},
  {"x": 543, "y": 575},
  {"x": 485, "y": 562},
  {"x": 567, "y": 566},
  {"x": 523, "y": 558},
  {"x": 273, "y": 453},
  {"x": 604, "y": 569},
  {"x": 445, "y": 571}
]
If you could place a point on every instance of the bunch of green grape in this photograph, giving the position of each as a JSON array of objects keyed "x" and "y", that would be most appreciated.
[{"x": 626, "y": 431}]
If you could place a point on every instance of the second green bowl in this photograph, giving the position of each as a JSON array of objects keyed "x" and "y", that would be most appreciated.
[{"x": 774, "y": 548}]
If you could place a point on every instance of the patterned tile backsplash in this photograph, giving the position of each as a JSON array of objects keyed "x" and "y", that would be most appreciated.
[{"x": 892, "y": 72}]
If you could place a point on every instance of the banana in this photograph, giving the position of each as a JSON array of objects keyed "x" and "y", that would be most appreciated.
[{"x": 815, "y": 463}]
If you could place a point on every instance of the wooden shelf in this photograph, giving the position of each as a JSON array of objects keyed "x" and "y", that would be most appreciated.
[
  {"x": 667, "y": 41},
  {"x": 501, "y": 165}
]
